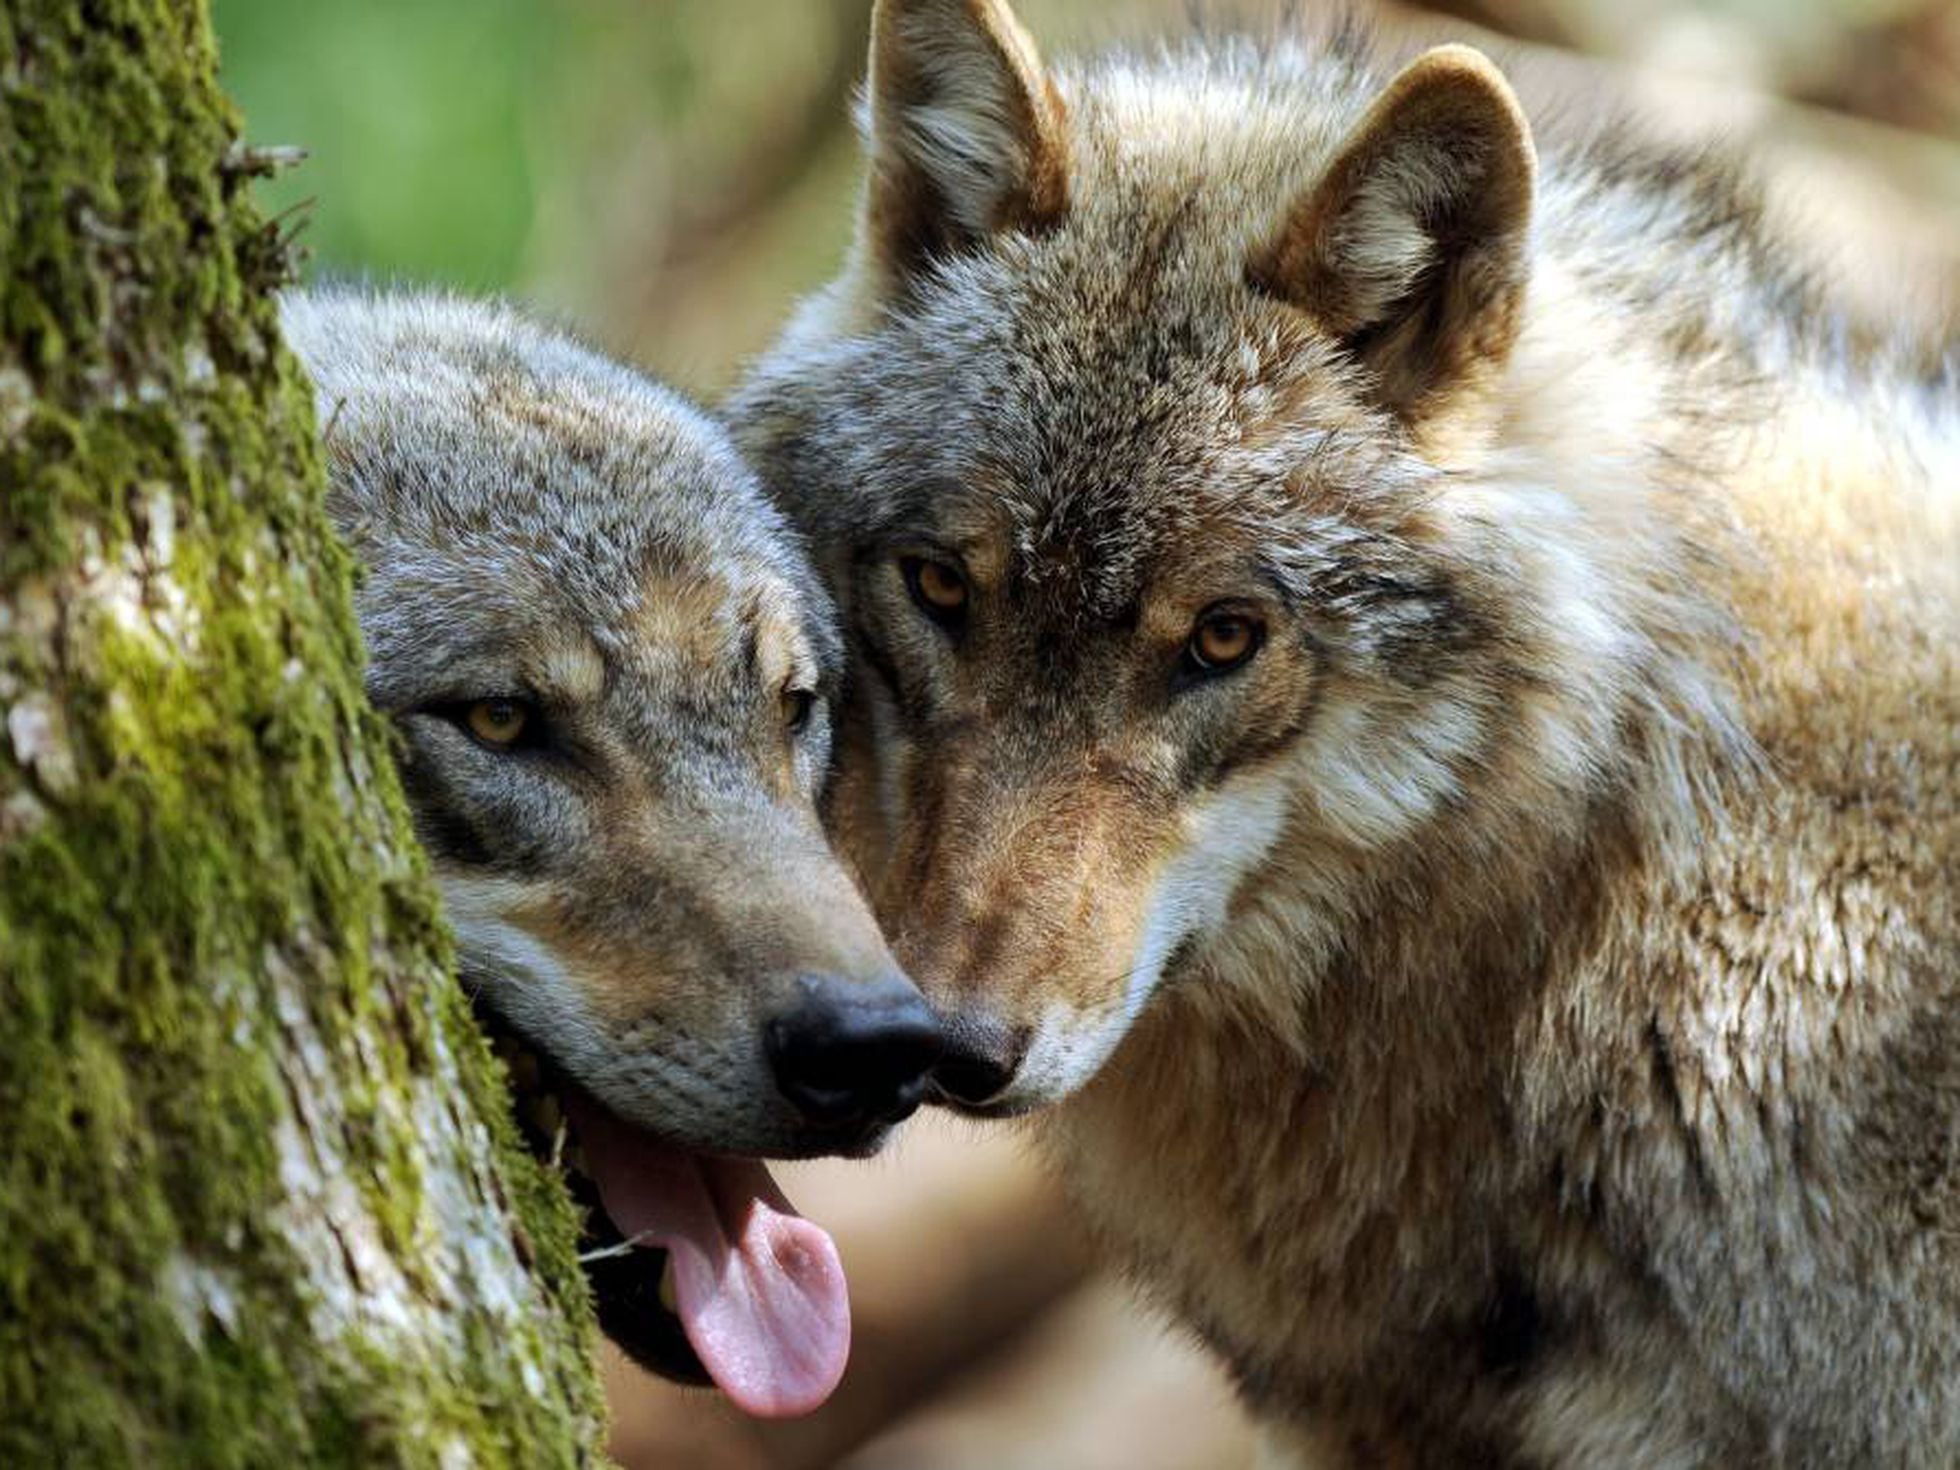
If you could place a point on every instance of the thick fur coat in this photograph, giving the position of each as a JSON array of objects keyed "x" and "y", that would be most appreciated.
[{"x": 1407, "y": 705}]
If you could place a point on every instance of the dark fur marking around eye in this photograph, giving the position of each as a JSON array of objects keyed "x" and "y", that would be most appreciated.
[
  {"x": 1416, "y": 628},
  {"x": 911, "y": 707},
  {"x": 446, "y": 832},
  {"x": 1253, "y": 752},
  {"x": 876, "y": 658}
]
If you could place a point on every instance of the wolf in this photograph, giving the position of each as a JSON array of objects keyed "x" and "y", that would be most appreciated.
[
  {"x": 612, "y": 670},
  {"x": 1405, "y": 707}
]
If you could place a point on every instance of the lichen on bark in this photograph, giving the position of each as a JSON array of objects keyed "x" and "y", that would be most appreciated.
[{"x": 259, "y": 1199}]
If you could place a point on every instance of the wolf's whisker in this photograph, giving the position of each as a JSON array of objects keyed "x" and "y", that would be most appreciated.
[{"x": 613, "y": 1252}]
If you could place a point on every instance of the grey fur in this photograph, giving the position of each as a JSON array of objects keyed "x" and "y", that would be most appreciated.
[{"x": 639, "y": 894}]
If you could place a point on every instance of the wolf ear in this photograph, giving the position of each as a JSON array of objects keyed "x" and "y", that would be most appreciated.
[
  {"x": 1412, "y": 246},
  {"x": 965, "y": 131}
]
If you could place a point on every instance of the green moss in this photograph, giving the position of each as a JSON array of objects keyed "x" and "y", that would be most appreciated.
[{"x": 215, "y": 933}]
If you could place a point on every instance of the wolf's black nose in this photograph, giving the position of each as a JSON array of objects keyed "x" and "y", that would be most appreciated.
[
  {"x": 852, "y": 1052},
  {"x": 979, "y": 1060}
]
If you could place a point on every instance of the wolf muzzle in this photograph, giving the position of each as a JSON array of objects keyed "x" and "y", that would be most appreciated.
[{"x": 850, "y": 1053}]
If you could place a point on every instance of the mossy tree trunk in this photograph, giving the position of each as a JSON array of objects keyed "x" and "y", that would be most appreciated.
[{"x": 259, "y": 1201}]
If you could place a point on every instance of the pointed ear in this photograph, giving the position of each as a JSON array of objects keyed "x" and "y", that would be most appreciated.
[
  {"x": 1412, "y": 246},
  {"x": 965, "y": 130}
]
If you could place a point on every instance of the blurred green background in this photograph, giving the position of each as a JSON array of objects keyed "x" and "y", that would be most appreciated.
[
  {"x": 671, "y": 173},
  {"x": 617, "y": 160}
]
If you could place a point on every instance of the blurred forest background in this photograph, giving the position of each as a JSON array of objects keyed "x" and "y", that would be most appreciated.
[{"x": 670, "y": 175}]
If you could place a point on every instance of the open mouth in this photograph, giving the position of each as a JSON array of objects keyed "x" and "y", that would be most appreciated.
[{"x": 699, "y": 1267}]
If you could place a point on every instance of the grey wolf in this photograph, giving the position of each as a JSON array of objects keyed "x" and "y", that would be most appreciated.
[
  {"x": 612, "y": 670},
  {"x": 1406, "y": 708}
]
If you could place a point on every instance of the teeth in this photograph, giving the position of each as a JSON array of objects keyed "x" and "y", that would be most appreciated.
[{"x": 668, "y": 1298}]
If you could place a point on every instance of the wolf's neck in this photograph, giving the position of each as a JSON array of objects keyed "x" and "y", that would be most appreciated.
[{"x": 1255, "y": 1171}]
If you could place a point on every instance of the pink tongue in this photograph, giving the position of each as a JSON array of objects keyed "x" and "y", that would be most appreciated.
[{"x": 760, "y": 1289}]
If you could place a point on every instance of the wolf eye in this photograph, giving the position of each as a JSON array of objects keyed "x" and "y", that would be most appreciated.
[
  {"x": 1223, "y": 641},
  {"x": 499, "y": 724},
  {"x": 798, "y": 706},
  {"x": 938, "y": 588}
]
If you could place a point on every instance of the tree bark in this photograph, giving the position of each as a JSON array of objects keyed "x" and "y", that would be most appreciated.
[{"x": 260, "y": 1199}]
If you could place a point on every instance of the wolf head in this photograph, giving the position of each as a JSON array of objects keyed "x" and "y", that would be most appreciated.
[
  {"x": 1142, "y": 439},
  {"x": 612, "y": 673}
]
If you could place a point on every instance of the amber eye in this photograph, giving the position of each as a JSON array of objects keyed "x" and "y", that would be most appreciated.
[
  {"x": 498, "y": 724},
  {"x": 798, "y": 706},
  {"x": 1223, "y": 641},
  {"x": 939, "y": 589}
]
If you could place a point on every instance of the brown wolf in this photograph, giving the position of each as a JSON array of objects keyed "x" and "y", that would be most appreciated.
[
  {"x": 1407, "y": 684},
  {"x": 611, "y": 665}
]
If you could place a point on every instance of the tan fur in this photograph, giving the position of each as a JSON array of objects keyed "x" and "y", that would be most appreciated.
[
  {"x": 690, "y": 614},
  {"x": 574, "y": 670},
  {"x": 1512, "y": 1019}
]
